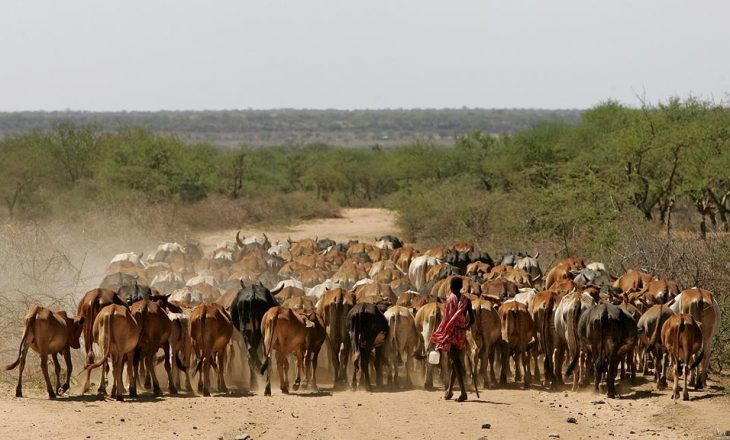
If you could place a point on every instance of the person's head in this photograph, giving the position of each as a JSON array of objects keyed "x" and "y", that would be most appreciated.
[{"x": 455, "y": 286}]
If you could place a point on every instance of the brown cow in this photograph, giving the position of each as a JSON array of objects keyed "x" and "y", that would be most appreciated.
[
  {"x": 402, "y": 257},
  {"x": 92, "y": 302},
  {"x": 48, "y": 333},
  {"x": 210, "y": 328},
  {"x": 703, "y": 307},
  {"x": 333, "y": 307},
  {"x": 518, "y": 330},
  {"x": 155, "y": 330},
  {"x": 542, "y": 310},
  {"x": 375, "y": 292},
  {"x": 682, "y": 339},
  {"x": 499, "y": 288},
  {"x": 304, "y": 306},
  {"x": 285, "y": 331},
  {"x": 117, "y": 334},
  {"x": 649, "y": 342},
  {"x": 484, "y": 337}
]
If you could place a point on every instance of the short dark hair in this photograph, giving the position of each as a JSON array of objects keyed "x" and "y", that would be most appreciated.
[{"x": 456, "y": 285}]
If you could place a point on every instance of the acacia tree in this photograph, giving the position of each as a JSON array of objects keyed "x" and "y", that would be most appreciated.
[{"x": 75, "y": 148}]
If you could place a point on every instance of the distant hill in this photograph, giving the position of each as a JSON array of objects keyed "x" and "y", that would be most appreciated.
[{"x": 356, "y": 128}]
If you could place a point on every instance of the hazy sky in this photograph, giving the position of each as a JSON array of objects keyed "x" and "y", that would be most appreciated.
[{"x": 153, "y": 54}]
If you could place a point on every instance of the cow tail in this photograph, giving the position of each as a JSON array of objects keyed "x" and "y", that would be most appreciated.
[
  {"x": 28, "y": 334},
  {"x": 395, "y": 340},
  {"x": 600, "y": 358},
  {"x": 573, "y": 329},
  {"x": 699, "y": 357},
  {"x": 680, "y": 329},
  {"x": 657, "y": 330},
  {"x": 105, "y": 338},
  {"x": 546, "y": 333},
  {"x": 184, "y": 338},
  {"x": 270, "y": 335}
]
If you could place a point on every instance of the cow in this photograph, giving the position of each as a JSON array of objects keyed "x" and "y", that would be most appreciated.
[
  {"x": 368, "y": 329},
  {"x": 211, "y": 329},
  {"x": 484, "y": 337},
  {"x": 388, "y": 242},
  {"x": 155, "y": 329},
  {"x": 117, "y": 334},
  {"x": 402, "y": 257},
  {"x": 48, "y": 333},
  {"x": 682, "y": 339},
  {"x": 334, "y": 308},
  {"x": 531, "y": 266},
  {"x": 402, "y": 342},
  {"x": 703, "y": 307},
  {"x": 633, "y": 280},
  {"x": 518, "y": 331},
  {"x": 499, "y": 288},
  {"x": 542, "y": 310},
  {"x": 89, "y": 307},
  {"x": 428, "y": 318},
  {"x": 286, "y": 330},
  {"x": 566, "y": 317},
  {"x": 649, "y": 343},
  {"x": 608, "y": 332},
  {"x": 181, "y": 346},
  {"x": 565, "y": 269},
  {"x": 247, "y": 311},
  {"x": 418, "y": 269}
]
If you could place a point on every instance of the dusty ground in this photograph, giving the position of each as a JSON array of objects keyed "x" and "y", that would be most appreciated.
[{"x": 512, "y": 413}]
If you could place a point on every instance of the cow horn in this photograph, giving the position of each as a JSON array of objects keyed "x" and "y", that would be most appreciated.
[
  {"x": 239, "y": 242},
  {"x": 141, "y": 254},
  {"x": 537, "y": 255},
  {"x": 288, "y": 240},
  {"x": 243, "y": 286},
  {"x": 265, "y": 237},
  {"x": 316, "y": 238}
]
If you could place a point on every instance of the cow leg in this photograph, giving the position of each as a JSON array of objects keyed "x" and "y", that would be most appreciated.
[
  {"x": 315, "y": 355},
  {"x": 101, "y": 391},
  {"x": 379, "y": 358},
  {"x": 69, "y": 369},
  {"x": 44, "y": 368},
  {"x": 518, "y": 367},
  {"x": 675, "y": 388},
  {"x": 300, "y": 366},
  {"x": 558, "y": 364},
  {"x": 206, "y": 375},
  {"x": 535, "y": 357},
  {"x": 222, "y": 388},
  {"x": 343, "y": 359},
  {"x": 335, "y": 358},
  {"x": 132, "y": 376},
  {"x": 613, "y": 361},
  {"x": 168, "y": 370},
  {"x": 526, "y": 365},
  {"x": 504, "y": 357},
  {"x": 365, "y": 366},
  {"x": 21, "y": 367},
  {"x": 267, "y": 390},
  {"x": 283, "y": 367},
  {"x": 355, "y": 369},
  {"x": 57, "y": 371},
  {"x": 149, "y": 362}
]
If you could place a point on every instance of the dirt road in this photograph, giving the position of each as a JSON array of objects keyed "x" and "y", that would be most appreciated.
[
  {"x": 512, "y": 413},
  {"x": 353, "y": 224}
]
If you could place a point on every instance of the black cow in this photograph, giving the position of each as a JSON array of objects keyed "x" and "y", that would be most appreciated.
[
  {"x": 389, "y": 242},
  {"x": 368, "y": 329},
  {"x": 325, "y": 243},
  {"x": 247, "y": 312},
  {"x": 608, "y": 333},
  {"x": 131, "y": 293},
  {"x": 463, "y": 259}
]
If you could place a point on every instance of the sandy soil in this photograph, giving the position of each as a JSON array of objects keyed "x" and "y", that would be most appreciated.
[
  {"x": 512, "y": 413},
  {"x": 354, "y": 224}
]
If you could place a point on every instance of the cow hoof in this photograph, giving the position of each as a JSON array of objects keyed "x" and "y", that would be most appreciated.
[
  {"x": 285, "y": 390},
  {"x": 173, "y": 391},
  {"x": 448, "y": 395},
  {"x": 51, "y": 395},
  {"x": 206, "y": 393},
  {"x": 157, "y": 392},
  {"x": 295, "y": 387},
  {"x": 18, "y": 393},
  {"x": 267, "y": 391},
  {"x": 120, "y": 398},
  {"x": 132, "y": 393}
]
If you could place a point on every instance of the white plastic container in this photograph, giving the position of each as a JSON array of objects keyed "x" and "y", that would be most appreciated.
[{"x": 434, "y": 357}]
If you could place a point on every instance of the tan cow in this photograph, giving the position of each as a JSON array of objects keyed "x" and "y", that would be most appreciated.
[
  {"x": 401, "y": 343},
  {"x": 703, "y": 307},
  {"x": 210, "y": 328},
  {"x": 48, "y": 333},
  {"x": 285, "y": 331},
  {"x": 518, "y": 331},
  {"x": 333, "y": 307},
  {"x": 117, "y": 334},
  {"x": 428, "y": 318},
  {"x": 682, "y": 339},
  {"x": 484, "y": 337},
  {"x": 542, "y": 310}
]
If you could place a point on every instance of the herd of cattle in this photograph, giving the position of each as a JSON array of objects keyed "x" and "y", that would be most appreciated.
[{"x": 375, "y": 306}]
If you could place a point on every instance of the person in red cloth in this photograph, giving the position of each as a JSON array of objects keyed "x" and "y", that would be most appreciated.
[{"x": 450, "y": 336}]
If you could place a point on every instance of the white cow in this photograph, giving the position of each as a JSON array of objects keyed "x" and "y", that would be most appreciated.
[{"x": 418, "y": 268}]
